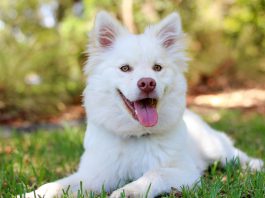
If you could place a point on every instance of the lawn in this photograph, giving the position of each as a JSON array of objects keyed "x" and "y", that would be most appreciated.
[{"x": 28, "y": 160}]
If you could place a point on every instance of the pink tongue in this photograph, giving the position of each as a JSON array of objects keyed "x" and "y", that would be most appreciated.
[{"x": 146, "y": 114}]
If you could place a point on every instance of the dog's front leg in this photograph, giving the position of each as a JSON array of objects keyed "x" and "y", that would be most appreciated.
[
  {"x": 56, "y": 188},
  {"x": 158, "y": 181}
]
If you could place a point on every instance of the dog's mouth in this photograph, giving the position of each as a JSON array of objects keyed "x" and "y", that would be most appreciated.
[{"x": 143, "y": 110}]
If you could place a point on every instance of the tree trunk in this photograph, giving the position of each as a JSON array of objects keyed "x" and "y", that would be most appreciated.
[
  {"x": 127, "y": 15},
  {"x": 149, "y": 11}
]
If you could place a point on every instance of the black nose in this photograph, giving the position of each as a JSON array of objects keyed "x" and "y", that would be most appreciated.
[{"x": 146, "y": 85}]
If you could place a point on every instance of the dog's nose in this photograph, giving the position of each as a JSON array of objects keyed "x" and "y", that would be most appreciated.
[{"x": 146, "y": 84}]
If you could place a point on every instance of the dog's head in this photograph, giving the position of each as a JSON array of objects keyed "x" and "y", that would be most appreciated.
[{"x": 135, "y": 82}]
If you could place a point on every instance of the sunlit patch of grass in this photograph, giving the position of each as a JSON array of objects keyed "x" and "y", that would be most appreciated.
[{"x": 29, "y": 160}]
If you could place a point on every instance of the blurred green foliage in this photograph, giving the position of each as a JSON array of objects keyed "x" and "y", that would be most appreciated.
[{"x": 42, "y": 55}]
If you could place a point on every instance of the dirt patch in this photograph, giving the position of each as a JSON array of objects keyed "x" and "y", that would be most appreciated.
[{"x": 250, "y": 100}]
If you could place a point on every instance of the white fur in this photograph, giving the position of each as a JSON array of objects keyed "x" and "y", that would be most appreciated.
[{"x": 120, "y": 153}]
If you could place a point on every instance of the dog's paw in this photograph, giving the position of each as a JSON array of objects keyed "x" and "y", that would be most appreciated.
[
  {"x": 130, "y": 190},
  {"x": 49, "y": 190},
  {"x": 123, "y": 192},
  {"x": 255, "y": 164}
]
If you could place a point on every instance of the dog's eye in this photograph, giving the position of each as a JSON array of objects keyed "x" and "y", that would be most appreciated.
[
  {"x": 125, "y": 68},
  {"x": 157, "y": 67}
]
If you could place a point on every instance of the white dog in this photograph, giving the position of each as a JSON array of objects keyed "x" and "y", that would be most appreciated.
[{"x": 140, "y": 137}]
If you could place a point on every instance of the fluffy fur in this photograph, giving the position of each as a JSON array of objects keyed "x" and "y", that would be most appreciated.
[{"x": 120, "y": 153}]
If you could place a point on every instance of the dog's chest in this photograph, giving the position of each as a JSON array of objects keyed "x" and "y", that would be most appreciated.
[
  {"x": 135, "y": 157},
  {"x": 115, "y": 161}
]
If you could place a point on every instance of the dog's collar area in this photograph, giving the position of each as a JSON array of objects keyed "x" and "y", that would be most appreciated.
[{"x": 140, "y": 136}]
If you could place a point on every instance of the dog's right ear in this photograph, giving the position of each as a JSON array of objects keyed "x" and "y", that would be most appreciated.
[{"x": 106, "y": 30}]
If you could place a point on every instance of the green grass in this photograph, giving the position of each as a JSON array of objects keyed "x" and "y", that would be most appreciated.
[{"x": 29, "y": 160}]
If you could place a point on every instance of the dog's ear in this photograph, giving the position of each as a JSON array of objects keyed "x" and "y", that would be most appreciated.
[
  {"x": 171, "y": 37},
  {"x": 169, "y": 30},
  {"x": 106, "y": 30}
]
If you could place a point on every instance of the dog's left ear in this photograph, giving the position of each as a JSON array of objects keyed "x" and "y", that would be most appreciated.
[{"x": 169, "y": 30}]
